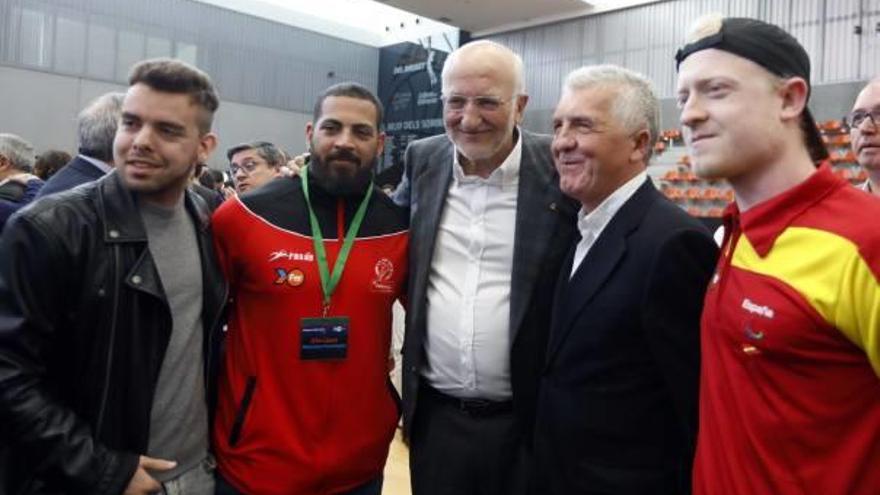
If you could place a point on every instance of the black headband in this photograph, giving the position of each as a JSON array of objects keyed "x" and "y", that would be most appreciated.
[{"x": 765, "y": 44}]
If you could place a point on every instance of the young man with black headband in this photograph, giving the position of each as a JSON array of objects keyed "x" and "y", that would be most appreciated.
[
  {"x": 790, "y": 396},
  {"x": 315, "y": 263}
]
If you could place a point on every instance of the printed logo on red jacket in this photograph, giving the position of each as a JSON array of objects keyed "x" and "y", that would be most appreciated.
[
  {"x": 293, "y": 278},
  {"x": 383, "y": 271}
]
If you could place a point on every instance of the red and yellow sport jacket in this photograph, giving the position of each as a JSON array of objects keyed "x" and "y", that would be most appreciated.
[{"x": 789, "y": 394}]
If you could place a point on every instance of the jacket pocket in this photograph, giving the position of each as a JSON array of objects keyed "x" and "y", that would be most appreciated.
[{"x": 243, "y": 407}]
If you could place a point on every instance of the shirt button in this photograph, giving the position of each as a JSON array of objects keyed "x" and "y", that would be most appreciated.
[
  {"x": 114, "y": 234},
  {"x": 136, "y": 280}
]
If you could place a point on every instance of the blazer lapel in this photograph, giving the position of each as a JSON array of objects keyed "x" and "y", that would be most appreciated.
[
  {"x": 599, "y": 264},
  {"x": 558, "y": 316},
  {"x": 537, "y": 214},
  {"x": 433, "y": 185}
]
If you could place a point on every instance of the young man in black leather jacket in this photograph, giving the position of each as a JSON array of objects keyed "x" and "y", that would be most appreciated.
[{"x": 110, "y": 311}]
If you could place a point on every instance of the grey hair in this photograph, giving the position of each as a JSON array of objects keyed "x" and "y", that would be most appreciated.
[
  {"x": 18, "y": 151},
  {"x": 96, "y": 126},
  {"x": 635, "y": 102},
  {"x": 519, "y": 81},
  {"x": 265, "y": 150}
]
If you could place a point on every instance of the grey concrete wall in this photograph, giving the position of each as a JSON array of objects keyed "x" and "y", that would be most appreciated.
[
  {"x": 42, "y": 107},
  {"x": 253, "y": 61}
]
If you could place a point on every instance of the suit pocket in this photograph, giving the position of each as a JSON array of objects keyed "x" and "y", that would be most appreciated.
[{"x": 243, "y": 407}]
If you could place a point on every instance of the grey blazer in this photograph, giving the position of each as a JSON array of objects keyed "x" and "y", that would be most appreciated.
[{"x": 545, "y": 226}]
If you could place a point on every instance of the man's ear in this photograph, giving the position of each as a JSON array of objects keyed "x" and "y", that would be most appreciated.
[
  {"x": 794, "y": 93},
  {"x": 641, "y": 146},
  {"x": 380, "y": 146},
  {"x": 207, "y": 144},
  {"x": 310, "y": 129},
  {"x": 520, "y": 101}
]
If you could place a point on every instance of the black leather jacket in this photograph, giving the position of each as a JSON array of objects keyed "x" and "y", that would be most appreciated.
[{"x": 84, "y": 324}]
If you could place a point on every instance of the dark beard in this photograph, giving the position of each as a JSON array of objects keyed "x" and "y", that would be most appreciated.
[{"x": 341, "y": 185}]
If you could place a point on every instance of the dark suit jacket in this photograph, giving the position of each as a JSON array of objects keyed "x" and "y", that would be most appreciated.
[
  {"x": 617, "y": 411},
  {"x": 212, "y": 198},
  {"x": 76, "y": 172},
  {"x": 545, "y": 225}
]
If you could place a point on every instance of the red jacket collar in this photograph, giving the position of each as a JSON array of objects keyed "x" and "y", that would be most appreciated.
[{"x": 764, "y": 222}]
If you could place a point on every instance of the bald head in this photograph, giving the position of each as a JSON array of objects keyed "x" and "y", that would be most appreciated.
[
  {"x": 864, "y": 121},
  {"x": 483, "y": 102},
  {"x": 488, "y": 58},
  {"x": 872, "y": 86}
]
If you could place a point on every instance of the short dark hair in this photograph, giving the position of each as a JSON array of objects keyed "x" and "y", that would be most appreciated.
[
  {"x": 351, "y": 90},
  {"x": 206, "y": 180},
  {"x": 50, "y": 162},
  {"x": 266, "y": 150},
  {"x": 174, "y": 76},
  {"x": 211, "y": 178}
]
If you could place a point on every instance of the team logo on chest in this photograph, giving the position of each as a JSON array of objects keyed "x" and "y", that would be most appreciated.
[
  {"x": 383, "y": 271},
  {"x": 758, "y": 309},
  {"x": 293, "y": 278},
  {"x": 753, "y": 335}
]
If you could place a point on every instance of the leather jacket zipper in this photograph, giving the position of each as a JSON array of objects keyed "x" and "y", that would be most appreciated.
[
  {"x": 109, "y": 367},
  {"x": 211, "y": 332}
]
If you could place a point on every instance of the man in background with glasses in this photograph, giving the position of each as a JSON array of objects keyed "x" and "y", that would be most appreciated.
[
  {"x": 489, "y": 230},
  {"x": 254, "y": 164},
  {"x": 864, "y": 128}
]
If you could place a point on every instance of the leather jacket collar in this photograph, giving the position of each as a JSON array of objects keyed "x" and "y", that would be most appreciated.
[{"x": 122, "y": 222}]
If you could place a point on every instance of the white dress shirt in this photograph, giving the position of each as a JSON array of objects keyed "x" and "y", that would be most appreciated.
[
  {"x": 593, "y": 223},
  {"x": 468, "y": 336}
]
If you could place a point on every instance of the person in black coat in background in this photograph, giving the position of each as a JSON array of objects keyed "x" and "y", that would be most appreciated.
[{"x": 95, "y": 128}]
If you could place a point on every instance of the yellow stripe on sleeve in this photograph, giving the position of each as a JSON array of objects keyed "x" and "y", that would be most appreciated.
[{"x": 828, "y": 271}]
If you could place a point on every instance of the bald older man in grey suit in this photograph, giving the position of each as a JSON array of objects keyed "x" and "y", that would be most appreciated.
[{"x": 489, "y": 230}]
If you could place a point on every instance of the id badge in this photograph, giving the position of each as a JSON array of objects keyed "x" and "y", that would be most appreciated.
[{"x": 323, "y": 338}]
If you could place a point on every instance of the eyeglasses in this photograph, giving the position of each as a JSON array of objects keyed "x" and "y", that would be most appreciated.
[
  {"x": 457, "y": 103},
  {"x": 246, "y": 167},
  {"x": 856, "y": 118}
]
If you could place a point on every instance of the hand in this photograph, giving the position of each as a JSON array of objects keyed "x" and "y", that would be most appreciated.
[
  {"x": 23, "y": 178},
  {"x": 299, "y": 161},
  {"x": 144, "y": 484},
  {"x": 228, "y": 192},
  {"x": 292, "y": 167}
]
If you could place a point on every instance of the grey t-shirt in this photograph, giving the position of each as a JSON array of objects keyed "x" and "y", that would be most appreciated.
[{"x": 179, "y": 419}]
